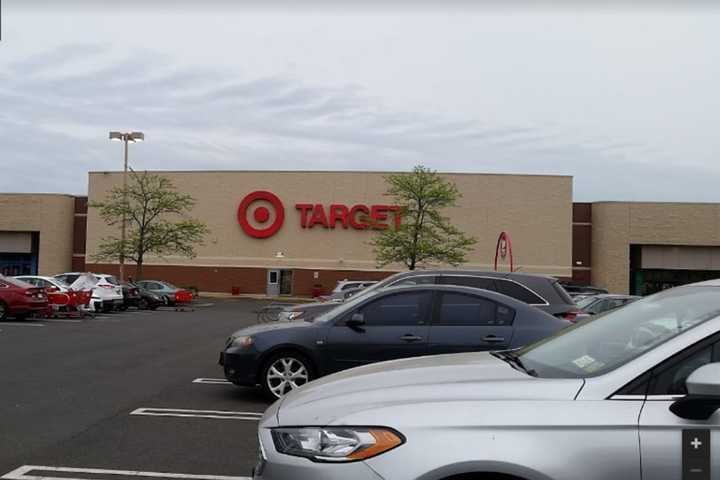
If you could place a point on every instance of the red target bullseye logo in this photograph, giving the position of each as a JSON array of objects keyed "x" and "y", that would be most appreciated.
[{"x": 261, "y": 214}]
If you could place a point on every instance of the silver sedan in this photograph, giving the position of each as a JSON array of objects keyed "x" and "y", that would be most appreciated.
[{"x": 629, "y": 395}]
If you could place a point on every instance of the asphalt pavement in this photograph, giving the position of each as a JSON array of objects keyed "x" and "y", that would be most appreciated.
[{"x": 126, "y": 395}]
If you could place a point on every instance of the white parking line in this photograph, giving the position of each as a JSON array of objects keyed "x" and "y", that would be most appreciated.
[
  {"x": 203, "y": 304},
  {"x": 62, "y": 320},
  {"x": 21, "y": 473},
  {"x": 187, "y": 413},
  {"x": 21, "y": 324},
  {"x": 212, "y": 381}
]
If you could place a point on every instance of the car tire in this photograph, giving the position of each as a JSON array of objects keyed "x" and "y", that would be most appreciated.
[
  {"x": 283, "y": 372},
  {"x": 166, "y": 300},
  {"x": 142, "y": 304},
  {"x": 3, "y": 310}
]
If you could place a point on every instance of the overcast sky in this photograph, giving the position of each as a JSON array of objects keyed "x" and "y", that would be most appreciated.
[{"x": 626, "y": 101}]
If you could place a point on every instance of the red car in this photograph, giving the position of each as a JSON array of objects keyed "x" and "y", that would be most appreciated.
[{"x": 19, "y": 299}]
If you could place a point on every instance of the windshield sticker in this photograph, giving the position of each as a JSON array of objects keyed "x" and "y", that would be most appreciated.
[
  {"x": 588, "y": 363},
  {"x": 584, "y": 361}
]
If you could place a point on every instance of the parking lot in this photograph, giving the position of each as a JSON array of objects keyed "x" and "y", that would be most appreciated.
[{"x": 131, "y": 394}]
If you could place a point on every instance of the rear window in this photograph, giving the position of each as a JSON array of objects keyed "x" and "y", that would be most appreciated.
[
  {"x": 14, "y": 282},
  {"x": 562, "y": 293},
  {"x": 112, "y": 280},
  {"x": 517, "y": 291},
  {"x": 467, "y": 281}
]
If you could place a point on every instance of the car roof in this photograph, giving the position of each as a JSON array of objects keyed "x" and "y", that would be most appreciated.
[{"x": 484, "y": 273}]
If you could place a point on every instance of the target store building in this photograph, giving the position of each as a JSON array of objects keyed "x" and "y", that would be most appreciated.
[{"x": 293, "y": 232}]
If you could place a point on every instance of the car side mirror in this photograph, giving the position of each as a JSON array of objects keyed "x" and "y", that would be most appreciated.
[
  {"x": 703, "y": 397},
  {"x": 356, "y": 320}
]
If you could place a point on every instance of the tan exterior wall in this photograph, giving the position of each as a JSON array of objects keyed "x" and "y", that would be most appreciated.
[
  {"x": 617, "y": 225},
  {"x": 49, "y": 214},
  {"x": 535, "y": 210}
]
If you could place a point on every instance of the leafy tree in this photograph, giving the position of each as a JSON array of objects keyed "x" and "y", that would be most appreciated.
[
  {"x": 424, "y": 235},
  {"x": 157, "y": 221}
]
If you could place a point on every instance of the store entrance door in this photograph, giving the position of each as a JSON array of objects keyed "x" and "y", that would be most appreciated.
[
  {"x": 279, "y": 282},
  {"x": 286, "y": 282},
  {"x": 273, "y": 283}
]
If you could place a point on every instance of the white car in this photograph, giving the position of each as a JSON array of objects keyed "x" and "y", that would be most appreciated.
[{"x": 106, "y": 290}]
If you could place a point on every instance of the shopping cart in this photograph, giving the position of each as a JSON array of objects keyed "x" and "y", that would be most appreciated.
[
  {"x": 183, "y": 301},
  {"x": 69, "y": 303}
]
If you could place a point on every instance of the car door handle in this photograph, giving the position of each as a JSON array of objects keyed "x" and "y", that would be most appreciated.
[
  {"x": 410, "y": 338},
  {"x": 493, "y": 339}
]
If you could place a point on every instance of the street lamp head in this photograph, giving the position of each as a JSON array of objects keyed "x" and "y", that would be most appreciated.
[
  {"x": 127, "y": 137},
  {"x": 137, "y": 136}
]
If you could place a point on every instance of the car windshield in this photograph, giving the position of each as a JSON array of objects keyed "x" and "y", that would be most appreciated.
[{"x": 600, "y": 345}]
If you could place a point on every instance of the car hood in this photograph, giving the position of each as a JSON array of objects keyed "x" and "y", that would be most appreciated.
[
  {"x": 440, "y": 378},
  {"x": 268, "y": 327}
]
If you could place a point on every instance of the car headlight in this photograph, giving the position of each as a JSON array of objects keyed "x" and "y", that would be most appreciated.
[
  {"x": 294, "y": 314},
  {"x": 335, "y": 444},
  {"x": 242, "y": 341}
]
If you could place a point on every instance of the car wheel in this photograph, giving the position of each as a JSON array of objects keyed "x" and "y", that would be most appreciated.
[
  {"x": 123, "y": 307},
  {"x": 166, "y": 300},
  {"x": 3, "y": 310},
  {"x": 285, "y": 372},
  {"x": 142, "y": 304}
]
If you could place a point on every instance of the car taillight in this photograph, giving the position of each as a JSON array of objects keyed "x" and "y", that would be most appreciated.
[
  {"x": 106, "y": 286},
  {"x": 571, "y": 316}
]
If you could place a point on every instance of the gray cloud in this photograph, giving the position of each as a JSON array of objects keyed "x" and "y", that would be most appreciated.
[{"x": 54, "y": 124}]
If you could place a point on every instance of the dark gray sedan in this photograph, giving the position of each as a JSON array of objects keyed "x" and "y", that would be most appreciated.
[
  {"x": 384, "y": 325},
  {"x": 166, "y": 291}
]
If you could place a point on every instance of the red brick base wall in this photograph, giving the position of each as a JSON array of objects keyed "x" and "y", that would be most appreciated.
[{"x": 247, "y": 280}]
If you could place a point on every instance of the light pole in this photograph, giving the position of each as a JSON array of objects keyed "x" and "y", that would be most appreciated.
[{"x": 129, "y": 137}]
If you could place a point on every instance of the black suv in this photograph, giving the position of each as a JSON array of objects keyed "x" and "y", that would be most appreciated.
[{"x": 541, "y": 291}]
